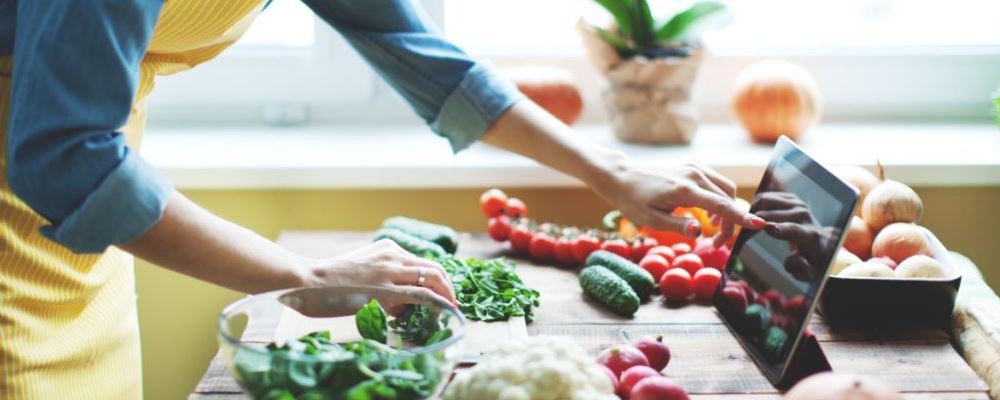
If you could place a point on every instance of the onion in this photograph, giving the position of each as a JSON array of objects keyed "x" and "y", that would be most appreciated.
[
  {"x": 867, "y": 269},
  {"x": 834, "y": 386},
  {"x": 860, "y": 178},
  {"x": 843, "y": 260},
  {"x": 890, "y": 202},
  {"x": 921, "y": 266},
  {"x": 773, "y": 98},
  {"x": 900, "y": 241},
  {"x": 859, "y": 238}
]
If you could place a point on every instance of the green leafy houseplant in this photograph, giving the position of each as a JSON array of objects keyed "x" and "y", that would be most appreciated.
[{"x": 637, "y": 33}]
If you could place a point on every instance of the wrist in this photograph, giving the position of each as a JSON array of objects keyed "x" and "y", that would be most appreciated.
[
  {"x": 309, "y": 272},
  {"x": 607, "y": 172}
]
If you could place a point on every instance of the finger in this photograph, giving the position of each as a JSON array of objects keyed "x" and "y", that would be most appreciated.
[
  {"x": 798, "y": 267},
  {"x": 662, "y": 220},
  {"x": 784, "y": 230},
  {"x": 787, "y": 215},
  {"x": 724, "y": 234},
  {"x": 434, "y": 280},
  {"x": 719, "y": 180},
  {"x": 723, "y": 207},
  {"x": 702, "y": 180}
]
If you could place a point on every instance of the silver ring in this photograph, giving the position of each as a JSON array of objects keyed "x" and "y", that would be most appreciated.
[{"x": 421, "y": 276}]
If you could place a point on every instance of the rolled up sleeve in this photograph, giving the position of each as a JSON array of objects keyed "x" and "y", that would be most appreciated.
[
  {"x": 456, "y": 95},
  {"x": 74, "y": 78}
]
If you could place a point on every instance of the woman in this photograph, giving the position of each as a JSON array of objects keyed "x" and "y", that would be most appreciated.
[{"x": 77, "y": 201}]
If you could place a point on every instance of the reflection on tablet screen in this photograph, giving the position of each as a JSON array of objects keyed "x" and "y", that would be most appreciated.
[{"x": 780, "y": 269}]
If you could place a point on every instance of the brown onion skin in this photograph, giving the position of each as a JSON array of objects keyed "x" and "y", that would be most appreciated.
[
  {"x": 859, "y": 238},
  {"x": 899, "y": 241},
  {"x": 891, "y": 202},
  {"x": 858, "y": 177}
]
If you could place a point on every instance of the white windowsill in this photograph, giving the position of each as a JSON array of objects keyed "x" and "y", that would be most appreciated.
[{"x": 348, "y": 157}]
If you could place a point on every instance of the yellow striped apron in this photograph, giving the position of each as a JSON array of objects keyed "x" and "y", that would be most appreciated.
[{"x": 68, "y": 326}]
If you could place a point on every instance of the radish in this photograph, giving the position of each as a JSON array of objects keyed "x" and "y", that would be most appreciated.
[
  {"x": 620, "y": 358},
  {"x": 658, "y": 388},
  {"x": 655, "y": 351},
  {"x": 631, "y": 377}
]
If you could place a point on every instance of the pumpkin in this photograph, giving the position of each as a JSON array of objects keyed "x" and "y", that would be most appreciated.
[
  {"x": 553, "y": 89},
  {"x": 773, "y": 98}
]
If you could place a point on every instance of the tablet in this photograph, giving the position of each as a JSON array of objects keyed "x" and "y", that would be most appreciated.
[{"x": 775, "y": 274}]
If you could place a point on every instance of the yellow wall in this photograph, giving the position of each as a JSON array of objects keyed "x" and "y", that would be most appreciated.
[{"x": 177, "y": 314}]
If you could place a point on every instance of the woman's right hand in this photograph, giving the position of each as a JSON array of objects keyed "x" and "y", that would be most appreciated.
[{"x": 384, "y": 263}]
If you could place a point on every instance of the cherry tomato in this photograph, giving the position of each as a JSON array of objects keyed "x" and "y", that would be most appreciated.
[
  {"x": 655, "y": 264},
  {"x": 706, "y": 281},
  {"x": 520, "y": 239},
  {"x": 583, "y": 245},
  {"x": 564, "y": 252},
  {"x": 690, "y": 262},
  {"x": 664, "y": 251},
  {"x": 492, "y": 202},
  {"x": 617, "y": 246},
  {"x": 515, "y": 208},
  {"x": 641, "y": 247},
  {"x": 499, "y": 228},
  {"x": 681, "y": 248},
  {"x": 542, "y": 246},
  {"x": 676, "y": 285}
]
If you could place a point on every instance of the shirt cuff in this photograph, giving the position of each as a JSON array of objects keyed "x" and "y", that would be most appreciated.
[
  {"x": 125, "y": 205},
  {"x": 470, "y": 109}
]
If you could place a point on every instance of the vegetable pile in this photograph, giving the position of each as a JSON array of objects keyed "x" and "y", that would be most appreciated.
[
  {"x": 486, "y": 290},
  {"x": 313, "y": 367},
  {"x": 634, "y": 369}
]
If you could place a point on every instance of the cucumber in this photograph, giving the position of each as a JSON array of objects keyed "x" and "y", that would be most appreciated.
[
  {"x": 440, "y": 234},
  {"x": 639, "y": 279},
  {"x": 609, "y": 289},
  {"x": 410, "y": 243}
]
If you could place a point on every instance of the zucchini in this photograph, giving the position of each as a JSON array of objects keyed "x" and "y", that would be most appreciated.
[
  {"x": 609, "y": 289},
  {"x": 440, "y": 234},
  {"x": 410, "y": 243},
  {"x": 639, "y": 279}
]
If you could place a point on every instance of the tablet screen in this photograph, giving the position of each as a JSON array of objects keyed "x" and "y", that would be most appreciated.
[{"x": 774, "y": 274}]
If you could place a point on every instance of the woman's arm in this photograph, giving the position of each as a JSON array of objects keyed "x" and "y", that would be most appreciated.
[{"x": 192, "y": 241}]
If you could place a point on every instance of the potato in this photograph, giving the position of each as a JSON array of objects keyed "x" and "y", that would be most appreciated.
[
  {"x": 921, "y": 266},
  {"x": 868, "y": 270},
  {"x": 843, "y": 260}
]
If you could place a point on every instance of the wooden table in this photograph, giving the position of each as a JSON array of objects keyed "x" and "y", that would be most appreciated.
[{"x": 707, "y": 359}]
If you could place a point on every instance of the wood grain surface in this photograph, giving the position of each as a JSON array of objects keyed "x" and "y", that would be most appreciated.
[{"x": 707, "y": 360}]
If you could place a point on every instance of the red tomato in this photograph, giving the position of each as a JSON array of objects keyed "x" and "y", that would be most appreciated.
[
  {"x": 542, "y": 246},
  {"x": 655, "y": 264},
  {"x": 681, "y": 248},
  {"x": 617, "y": 246},
  {"x": 515, "y": 208},
  {"x": 706, "y": 281},
  {"x": 499, "y": 228},
  {"x": 520, "y": 239},
  {"x": 564, "y": 252},
  {"x": 676, "y": 285},
  {"x": 664, "y": 251},
  {"x": 641, "y": 247},
  {"x": 492, "y": 202},
  {"x": 690, "y": 262},
  {"x": 583, "y": 245}
]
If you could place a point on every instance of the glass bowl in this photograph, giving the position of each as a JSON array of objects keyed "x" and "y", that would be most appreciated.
[{"x": 306, "y": 343}]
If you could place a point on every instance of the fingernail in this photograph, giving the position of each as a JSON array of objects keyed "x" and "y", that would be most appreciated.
[
  {"x": 693, "y": 229},
  {"x": 757, "y": 222}
]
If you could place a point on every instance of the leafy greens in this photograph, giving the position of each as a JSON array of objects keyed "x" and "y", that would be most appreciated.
[{"x": 490, "y": 290}]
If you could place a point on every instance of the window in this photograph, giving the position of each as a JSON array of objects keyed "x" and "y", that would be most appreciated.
[{"x": 285, "y": 23}]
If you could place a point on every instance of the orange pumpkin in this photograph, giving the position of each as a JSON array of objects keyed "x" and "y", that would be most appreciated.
[
  {"x": 774, "y": 98},
  {"x": 553, "y": 89}
]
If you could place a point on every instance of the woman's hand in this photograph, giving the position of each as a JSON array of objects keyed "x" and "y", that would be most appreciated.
[
  {"x": 648, "y": 199},
  {"x": 384, "y": 263}
]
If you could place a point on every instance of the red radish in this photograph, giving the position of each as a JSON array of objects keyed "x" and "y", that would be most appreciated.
[
  {"x": 884, "y": 260},
  {"x": 711, "y": 256},
  {"x": 655, "y": 351},
  {"x": 690, "y": 262},
  {"x": 492, "y": 202},
  {"x": 735, "y": 298},
  {"x": 797, "y": 306},
  {"x": 611, "y": 376},
  {"x": 631, "y": 377},
  {"x": 564, "y": 252},
  {"x": 676, "y": 285},
  {"x": 658, "y": 388},
  {"x": 681, "y": 248},
  {"x": 706, "y": 282},
  {"x": 583, "y": 245},
  {"x": 617, "y": 246},
  {"x": 515, "y": 208},
  {"x": 664, "y": 251},
  {"x": 499, "y": 228},
  {"x": 641, "y": 247},
  {"x": 520, "y": 239},
  {"x": 775, "y": 298},
  {"x": 621, "y": 357},
  {"x": 655, "y": 264},
  {"x": 542, "y": 246}
]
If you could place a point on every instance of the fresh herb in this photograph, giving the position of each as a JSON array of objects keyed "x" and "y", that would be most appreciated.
[
  {"x": 421, "y": 325},
  {"x": 370, "y": 321},
  {"x": 490, "y": 290}
]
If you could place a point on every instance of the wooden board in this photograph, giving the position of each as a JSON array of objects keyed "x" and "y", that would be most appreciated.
[{"x": 707, "y": 359}]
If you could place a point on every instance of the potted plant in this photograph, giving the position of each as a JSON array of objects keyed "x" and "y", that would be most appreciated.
[{"x": 650, "y": 67}]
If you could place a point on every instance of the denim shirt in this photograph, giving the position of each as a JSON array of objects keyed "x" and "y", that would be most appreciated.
[{"x": 75, "y": 71}]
